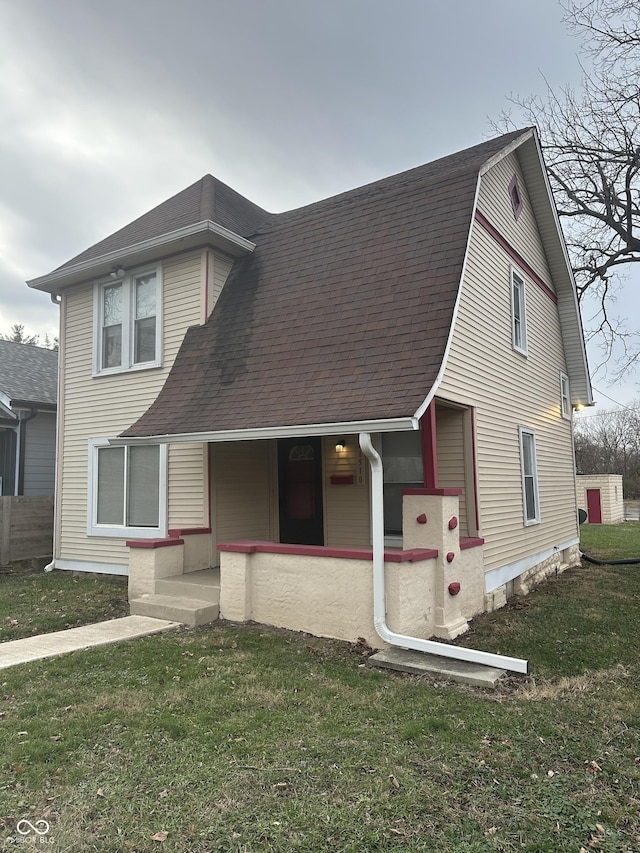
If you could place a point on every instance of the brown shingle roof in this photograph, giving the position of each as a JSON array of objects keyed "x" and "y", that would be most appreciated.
[
  {"x": 208, "y": 198},
  {"x": 342, "y": 313}
]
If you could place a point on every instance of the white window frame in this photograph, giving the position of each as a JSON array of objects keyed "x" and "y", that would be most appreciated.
[
  {"x": 565, "y": 397},
  {"x": 128, "y": 321},
  {"x": 116, "y": 530},
  {"x": 518, "y": 283},
  {"x": 533, "y": 475}
]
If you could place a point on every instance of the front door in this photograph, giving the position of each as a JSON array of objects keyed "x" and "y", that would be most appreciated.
[
  {"x": 300, "y": 491},
  {"x": 594, "y": 508}
]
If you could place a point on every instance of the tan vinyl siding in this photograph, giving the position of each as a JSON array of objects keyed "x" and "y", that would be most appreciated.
[
  {"x": 106, "y": 405},
  {"x": 509, "y": 389},
  {"x": 188, "y": 501},
  {"x": 243, "y": 487},
  {"x": 451, "y": 458},
  {"x": 346, "y": 507},
  {"x": 219, "y": 269},
  {"x": 521, "y": 233}
]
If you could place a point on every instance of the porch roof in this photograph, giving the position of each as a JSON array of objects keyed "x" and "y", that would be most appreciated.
[{"x": 341, "y": 314}]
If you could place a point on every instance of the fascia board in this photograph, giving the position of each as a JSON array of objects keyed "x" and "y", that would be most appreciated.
[
  {"x": 76, "y": 273},
  {"x": 565, "y": 281},
  {"x": 298, "y": 431},
  {"x": 427, "y": 401}
]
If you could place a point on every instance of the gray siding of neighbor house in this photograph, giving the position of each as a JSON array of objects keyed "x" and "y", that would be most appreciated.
[{"x": 40, "y": 455}]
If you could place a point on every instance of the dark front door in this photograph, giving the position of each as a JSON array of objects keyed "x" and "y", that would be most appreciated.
[{"x": 300, "y": 489}]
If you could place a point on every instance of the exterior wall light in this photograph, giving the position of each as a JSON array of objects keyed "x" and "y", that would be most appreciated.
[{"x": 341, "y": 445}]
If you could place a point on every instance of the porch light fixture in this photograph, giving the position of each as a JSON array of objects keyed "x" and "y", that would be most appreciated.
[
  {"x": 341, "y": 445},
  {"x": 117, "y": 272}
]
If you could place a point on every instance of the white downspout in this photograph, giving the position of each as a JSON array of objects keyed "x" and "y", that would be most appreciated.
[{"x": 379, "y": 609}]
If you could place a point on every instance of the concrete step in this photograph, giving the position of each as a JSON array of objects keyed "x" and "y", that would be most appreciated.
[
  {"x": 420, "y": 663},
  {"x": 189, "y": 611},
  {"x": 204, "y": 584}
]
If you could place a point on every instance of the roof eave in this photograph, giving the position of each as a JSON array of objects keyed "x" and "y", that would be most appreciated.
[
  {"x": 181, "y": 239},
  {"x": 295, "y": 431},
  {"x": 531, "y": 158}
]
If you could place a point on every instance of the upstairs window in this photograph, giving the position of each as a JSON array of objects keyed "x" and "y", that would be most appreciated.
[
  {"x": 128, "y": 323},
  {"x": 565, "y": 398},
  {"x": 518, "y": 313}
]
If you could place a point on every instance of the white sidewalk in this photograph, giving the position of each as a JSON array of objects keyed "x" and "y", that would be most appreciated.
[{"x": 60, "y": 642}]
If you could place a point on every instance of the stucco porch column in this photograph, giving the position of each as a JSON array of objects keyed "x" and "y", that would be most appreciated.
[{"x": 430, "y": 519}]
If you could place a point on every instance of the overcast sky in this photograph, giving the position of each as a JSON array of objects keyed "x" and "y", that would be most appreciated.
[{"x": 108, "y": 107}]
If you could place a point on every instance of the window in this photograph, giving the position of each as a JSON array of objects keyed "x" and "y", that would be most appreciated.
[
  {"x": 128, "y": 323},
  {"x": 127, "y": 490},
  {"x": 565, "y": 397},
  {"x": 515, "y": 196},
  {"x": 402, "y": 467},
  {"x": 529, "y": 476},
  {"x": 518, "y": 313}
]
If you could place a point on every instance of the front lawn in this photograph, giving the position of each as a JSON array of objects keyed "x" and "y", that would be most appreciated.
[
  {"x": 252, "y": 739},
  {"x": 42, "y": 602}
]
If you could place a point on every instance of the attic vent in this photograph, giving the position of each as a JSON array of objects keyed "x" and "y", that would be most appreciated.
[{"x": 514, "y": 195}]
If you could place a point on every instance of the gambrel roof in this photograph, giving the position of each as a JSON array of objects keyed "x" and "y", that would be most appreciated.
[{"x": 340, "y": 312}]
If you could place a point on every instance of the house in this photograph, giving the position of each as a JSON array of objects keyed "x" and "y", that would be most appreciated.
[
  {"x": 601, "y": 497},
  {"x": 352, "y": 419},
  {"x": 28, "y": 395}
]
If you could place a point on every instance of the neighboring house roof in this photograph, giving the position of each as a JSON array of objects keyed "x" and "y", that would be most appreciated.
[
  {"x": 28, "y": 375},
  {"x": 341, "y": 314}
]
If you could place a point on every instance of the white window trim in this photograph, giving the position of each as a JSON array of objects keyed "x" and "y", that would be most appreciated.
[
  {"x": 565, "y": 397},
  {"x": 120, "y": 531},
  {"x": 126, "y": 280},
  {"x": 522, "y": 346},
  {"x": 522, "y": 431}
]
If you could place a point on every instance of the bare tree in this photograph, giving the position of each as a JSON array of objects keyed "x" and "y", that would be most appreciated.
[
  {"x": 609, "y": 443},
  {"x": 591, "y": 142}
]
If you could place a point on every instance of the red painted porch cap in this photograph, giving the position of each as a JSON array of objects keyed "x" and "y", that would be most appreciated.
[
  {"x": 437, "y": 492},
  {"x": 413, "y": 555},
  {"x": 154, "y": 543}
]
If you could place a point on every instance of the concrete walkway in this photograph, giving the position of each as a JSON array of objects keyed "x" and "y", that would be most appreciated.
[{"x": 60, "y": 642}]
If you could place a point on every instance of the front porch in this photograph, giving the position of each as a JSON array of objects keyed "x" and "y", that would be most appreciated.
[{"x": 326, "y": 591}]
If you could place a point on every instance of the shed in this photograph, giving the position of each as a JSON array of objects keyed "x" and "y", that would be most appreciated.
[{"x": 601, "y": 496}]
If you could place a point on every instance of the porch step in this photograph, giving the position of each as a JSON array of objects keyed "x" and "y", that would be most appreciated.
[
  {"x": 203, "y": 584},
  {"x": 176, "y": 608}
]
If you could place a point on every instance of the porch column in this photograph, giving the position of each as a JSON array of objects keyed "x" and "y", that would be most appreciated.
[
  {"x": 429, "y": 447},
  {"x": 430, "y": 520}
]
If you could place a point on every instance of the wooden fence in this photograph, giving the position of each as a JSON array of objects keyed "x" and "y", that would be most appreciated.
[{"x": 26, "y": 528}]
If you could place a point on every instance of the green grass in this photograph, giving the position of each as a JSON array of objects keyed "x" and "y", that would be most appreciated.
[
  {"x": 611, "y": 541},
  {"x": 44, "y": 602},
  {"x": 253, "y": 739}
]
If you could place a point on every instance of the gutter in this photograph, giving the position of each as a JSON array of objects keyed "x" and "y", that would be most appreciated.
[
  {"x": 255, "y": 433},
  {"x": 83, "y": 269},
  {"x": 379, "y": 609}
]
